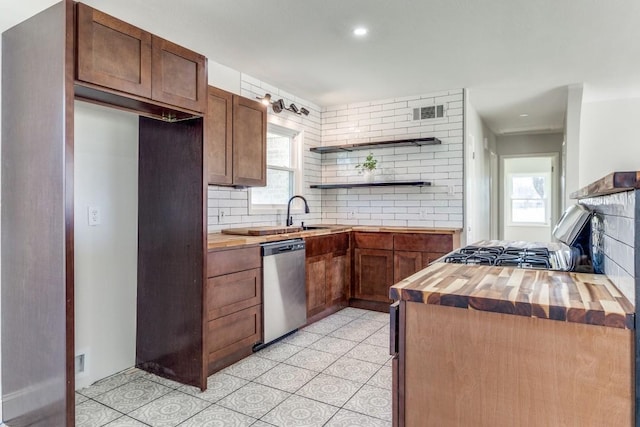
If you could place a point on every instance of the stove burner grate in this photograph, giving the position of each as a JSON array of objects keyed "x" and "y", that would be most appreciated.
[{"x": 536, "y": 257}]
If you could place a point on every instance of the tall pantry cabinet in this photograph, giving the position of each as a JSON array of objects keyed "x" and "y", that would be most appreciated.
[{"x": 38, "y": 206}]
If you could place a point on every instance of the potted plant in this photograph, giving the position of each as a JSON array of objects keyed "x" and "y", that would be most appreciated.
[{"x": 367, "y": 167}]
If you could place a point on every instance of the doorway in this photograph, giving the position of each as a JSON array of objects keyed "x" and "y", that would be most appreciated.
[{"x": 529, "y": 192}]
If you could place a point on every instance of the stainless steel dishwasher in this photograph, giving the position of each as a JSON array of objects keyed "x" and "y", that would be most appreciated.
[{"x": 284, "y": 290}]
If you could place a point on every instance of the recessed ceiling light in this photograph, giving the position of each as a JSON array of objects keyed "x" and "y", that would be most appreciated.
[
  {"x": 360, "y": 31},
  {"x": 524, "y": 115}
]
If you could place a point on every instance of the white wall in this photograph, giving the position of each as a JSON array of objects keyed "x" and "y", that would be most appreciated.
[
  {"x": 390, "y": 119},
  {"x": 572, "y": 147},
  {"x": 0, "y": 227},
  {"x": 106, "y": 176},
  {"x": 480, "y": 143},
  {"x": 223, "y": 77},
  {"x": 609, "y": 133}
]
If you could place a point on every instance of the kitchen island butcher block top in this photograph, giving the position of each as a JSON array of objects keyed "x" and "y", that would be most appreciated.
[{"x": 547, "y": 294}]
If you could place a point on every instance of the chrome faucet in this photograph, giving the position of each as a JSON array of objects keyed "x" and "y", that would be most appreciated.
[{"x": 306, "y": 209}]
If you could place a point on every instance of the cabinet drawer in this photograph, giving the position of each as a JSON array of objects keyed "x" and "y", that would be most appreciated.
[
  {"x": 373, "y": 240},
  {"x": 423, "y": 242},
  {"x": 328, "y": 244},
  {"x": 233, "y": 260},
  {"x": 234, "y": 332},
  {"x": 233, "y": 292}
]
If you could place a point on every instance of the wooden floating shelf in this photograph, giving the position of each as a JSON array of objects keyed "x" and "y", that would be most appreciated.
[
  {"x": 382, "y": 144},
  {"x": 374, "y": 184}
]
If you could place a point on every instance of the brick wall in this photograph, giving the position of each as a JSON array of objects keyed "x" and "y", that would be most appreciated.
[{"x": 437, "y": 206}]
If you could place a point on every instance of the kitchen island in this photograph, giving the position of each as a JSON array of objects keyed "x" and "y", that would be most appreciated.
[{"x": 502, "y": 346}]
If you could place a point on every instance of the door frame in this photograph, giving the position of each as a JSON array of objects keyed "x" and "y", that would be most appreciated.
[{"x": 555, "y": 187}]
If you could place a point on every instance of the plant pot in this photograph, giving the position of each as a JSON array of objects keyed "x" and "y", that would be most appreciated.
[{"x": 369, "y": 175}]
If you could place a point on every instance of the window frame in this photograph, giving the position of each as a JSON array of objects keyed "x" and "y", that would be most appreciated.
[{"x": 296, "y": 145}]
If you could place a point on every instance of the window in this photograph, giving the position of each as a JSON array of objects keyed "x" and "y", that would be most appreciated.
[
  {"x": 529, "y": 199},
  {"x": 284, "y": 172}
]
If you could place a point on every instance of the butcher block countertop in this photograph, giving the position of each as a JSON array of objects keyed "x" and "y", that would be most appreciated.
[
  {"x": 556, "y": 295},
  {"x": 222, "y": 240}
]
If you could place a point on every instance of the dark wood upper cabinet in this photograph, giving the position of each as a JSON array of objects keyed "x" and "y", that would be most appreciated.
[
  {"x": 123, "y": 60},
  {"x": 219, "y": 136},
  {"x": 112, "y": 53},
  {"x": 179, "y": 75},
  {"x": 236, "y": 140},
  {"x": 249, "y": 142}
]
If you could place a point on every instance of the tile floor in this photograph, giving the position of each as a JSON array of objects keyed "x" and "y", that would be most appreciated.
[{"x": 336, "y": 372}]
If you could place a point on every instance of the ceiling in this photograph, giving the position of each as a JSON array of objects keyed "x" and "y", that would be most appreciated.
[{"x": 515, "y": 56}]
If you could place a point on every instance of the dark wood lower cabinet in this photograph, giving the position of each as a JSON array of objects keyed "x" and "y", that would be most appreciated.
[
  {"x": 383, "y": 258},
  {"x": 405, "y": 264},
  {"x": 328, "y": 273},
  {"x": 373, "y": 274},
  {"x": 340, "y": 274},
  {"x": 316, "y": 277},
  {"x": 232, "y": 337},
  {"x": 233, "y": 305}
]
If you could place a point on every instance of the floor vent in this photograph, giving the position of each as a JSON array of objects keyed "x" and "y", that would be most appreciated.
[{"x": 79, "y": 363}]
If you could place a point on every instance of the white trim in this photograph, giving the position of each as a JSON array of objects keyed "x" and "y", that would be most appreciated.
[
  {"x": 553, "y": 197},
  {"x": 297, "y": 162}
]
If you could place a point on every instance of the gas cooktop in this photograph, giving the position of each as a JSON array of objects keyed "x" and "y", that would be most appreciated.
[{"x": 547, "y": 256}]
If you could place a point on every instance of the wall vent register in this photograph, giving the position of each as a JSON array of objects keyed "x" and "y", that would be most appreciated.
[{"x": 427, "y": 113}]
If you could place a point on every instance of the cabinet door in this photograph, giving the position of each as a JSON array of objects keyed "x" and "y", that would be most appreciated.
[
  {"x": 179, "y": 76},
  {"x": 112, "y": 53},
  {"x": 373, "y": 274},
  {"x": 406, "y": 263},
  {"x": 218, "y": 136},
  {"x": 249, "y": 143},
  {"x": 317, "y": 282},
  {"x": 234, "y": 333},
  {"x": 429, "y": 257},
  {"x": 339, "y": 279}
]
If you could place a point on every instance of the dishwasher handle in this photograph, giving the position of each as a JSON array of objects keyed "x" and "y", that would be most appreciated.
[{"x": 275, "y": 248}]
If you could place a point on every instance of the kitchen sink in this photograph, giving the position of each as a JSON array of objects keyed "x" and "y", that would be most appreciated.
[{"x": 314, "y": 227}]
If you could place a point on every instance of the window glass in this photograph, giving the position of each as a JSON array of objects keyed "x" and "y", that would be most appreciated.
[
  {"x": 529, "y": 199},
  {"x": 278, "y": 190},
  {"x": 283, "y": 170},
  {"x": 278, "y": 150}
]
